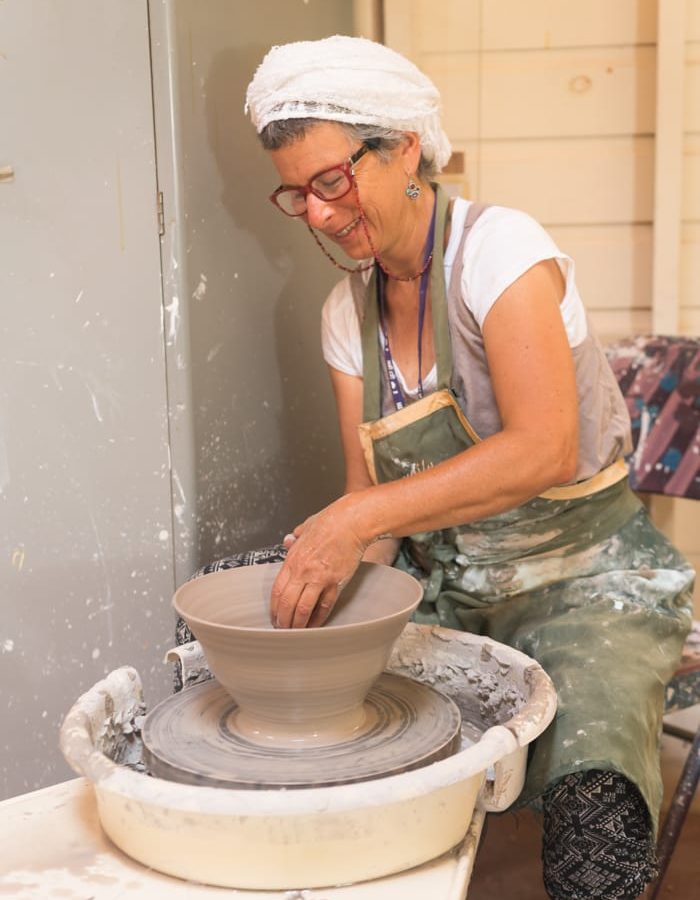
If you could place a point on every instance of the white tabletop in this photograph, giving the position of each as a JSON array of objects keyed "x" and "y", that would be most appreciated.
[{"x": 52, "y": 846}]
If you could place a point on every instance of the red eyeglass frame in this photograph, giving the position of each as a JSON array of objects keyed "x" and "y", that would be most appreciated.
[{"x": 345, "y": 167}]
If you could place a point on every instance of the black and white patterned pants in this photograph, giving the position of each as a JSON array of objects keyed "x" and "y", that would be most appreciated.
[{"x": 598, "y": 841}]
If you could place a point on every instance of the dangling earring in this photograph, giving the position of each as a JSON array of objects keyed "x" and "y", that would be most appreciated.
[{"x": 412, "y": 189}]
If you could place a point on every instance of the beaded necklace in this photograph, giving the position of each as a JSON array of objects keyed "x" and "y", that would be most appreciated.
[
  {"x": 375, "y": 253},
  {"x": 396, "y": 392}
]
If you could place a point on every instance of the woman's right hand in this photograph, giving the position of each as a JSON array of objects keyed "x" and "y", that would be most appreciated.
[{"x": 323, "y": 554}]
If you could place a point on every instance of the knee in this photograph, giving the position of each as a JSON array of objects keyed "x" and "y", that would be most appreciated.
[{"x": 598, "y": 842}]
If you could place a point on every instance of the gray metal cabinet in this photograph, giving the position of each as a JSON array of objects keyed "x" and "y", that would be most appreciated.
[{"x": 162, "y": 394}]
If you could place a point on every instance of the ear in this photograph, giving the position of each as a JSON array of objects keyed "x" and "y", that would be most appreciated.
[{"x": 409, "y": 152}]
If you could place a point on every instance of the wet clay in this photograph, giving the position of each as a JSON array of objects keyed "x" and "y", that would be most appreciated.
[
  {"x": 291, "y": 683},
  {"x": 195, "y": 737}
]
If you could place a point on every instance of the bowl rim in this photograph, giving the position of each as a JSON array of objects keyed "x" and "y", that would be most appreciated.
[{"x": 329, "y": 627}]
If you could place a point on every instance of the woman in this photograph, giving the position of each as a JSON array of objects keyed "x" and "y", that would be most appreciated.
[{"x": 460, "y": 355}]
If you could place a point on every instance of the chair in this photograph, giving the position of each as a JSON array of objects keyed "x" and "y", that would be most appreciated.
[{"x": 660, "y": 380}]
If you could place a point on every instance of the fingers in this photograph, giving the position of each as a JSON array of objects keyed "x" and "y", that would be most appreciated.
[
  {"x": 297, "y": 605},
  {"x": 323, "y": 552},
  {"x": 292, "y": 602},
  {"x": 306, "y": 606},
  {"x": 278, "y": 588},
  {"x": 290, "y": 538},
  {"x": 293, "y": 606},
  {"x": 324, "y": 607}
]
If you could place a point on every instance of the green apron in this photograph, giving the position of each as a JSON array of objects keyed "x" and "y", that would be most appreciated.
[{"x": 578, "y": 578}]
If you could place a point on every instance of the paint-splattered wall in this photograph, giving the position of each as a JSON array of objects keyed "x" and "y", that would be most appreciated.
[
  {"x": 248, "y": 287},
  {"x": 162, "y": 399}
]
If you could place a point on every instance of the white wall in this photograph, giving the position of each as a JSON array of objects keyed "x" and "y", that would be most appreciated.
[
  {"x": 150, "y": 419},
  {"x": 85, "y": 518},
  {"x": 253, "y": 422}
]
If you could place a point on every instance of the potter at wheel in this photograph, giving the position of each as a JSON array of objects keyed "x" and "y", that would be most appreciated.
[
  {"x": 298, "y": 708},
  {"x": 193, "y": 738}
]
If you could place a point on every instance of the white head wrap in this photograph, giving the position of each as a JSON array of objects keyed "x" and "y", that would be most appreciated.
[{"x": 348, "y": 79}]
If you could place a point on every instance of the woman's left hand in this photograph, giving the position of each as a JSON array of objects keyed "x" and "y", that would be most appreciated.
[{"x": 324, "y": 552}]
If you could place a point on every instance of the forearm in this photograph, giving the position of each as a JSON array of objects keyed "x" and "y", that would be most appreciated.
[
  {"x": 497, "y": 474},
  {"x": 534, "y": 385}
]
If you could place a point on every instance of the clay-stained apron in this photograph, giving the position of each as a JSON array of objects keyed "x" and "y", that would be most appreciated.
[{"x": 578, "y": 578}]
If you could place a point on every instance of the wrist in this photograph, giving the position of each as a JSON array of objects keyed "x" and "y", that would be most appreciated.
[{"x": 359, "y": 508}]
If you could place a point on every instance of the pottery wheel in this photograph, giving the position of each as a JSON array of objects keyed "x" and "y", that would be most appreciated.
[{"x": 191, "y": 738}]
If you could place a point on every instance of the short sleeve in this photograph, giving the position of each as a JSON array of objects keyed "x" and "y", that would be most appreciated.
[
  {"x": 503, "y": 245},
  {"x": 341, "y": 340}
]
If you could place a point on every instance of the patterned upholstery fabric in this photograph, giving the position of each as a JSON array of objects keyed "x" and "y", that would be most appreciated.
[{"x": 660, "y": 380}]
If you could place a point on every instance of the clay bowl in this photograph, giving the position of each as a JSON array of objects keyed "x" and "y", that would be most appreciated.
[{"x": 296, "y": 686}]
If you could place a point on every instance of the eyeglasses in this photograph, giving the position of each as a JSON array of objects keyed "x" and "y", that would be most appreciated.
[{"x": 331, "y": 184}]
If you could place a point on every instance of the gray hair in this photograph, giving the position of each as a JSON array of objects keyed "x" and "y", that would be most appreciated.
[{"x": 283, "y": 132}]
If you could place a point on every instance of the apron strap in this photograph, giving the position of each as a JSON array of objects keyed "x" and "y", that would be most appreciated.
[
  {"x": 372, "y": 383},
  {"x": 438, "y": 299},
  {"x": 372, "y": 387}
]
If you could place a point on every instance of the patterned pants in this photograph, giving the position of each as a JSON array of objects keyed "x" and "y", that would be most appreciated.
[{"x": 598, "y": 842}]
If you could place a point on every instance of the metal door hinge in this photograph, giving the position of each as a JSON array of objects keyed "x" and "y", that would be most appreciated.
[{"x": 161, "y": 215}]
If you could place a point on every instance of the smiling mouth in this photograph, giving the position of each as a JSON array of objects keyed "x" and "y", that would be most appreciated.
[{"x": 344, "y": 232}]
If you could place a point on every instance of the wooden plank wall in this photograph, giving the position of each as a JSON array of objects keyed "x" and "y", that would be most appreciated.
[
  {"x": 690, "y": 225},
  {"x": 553, "y": 108}
]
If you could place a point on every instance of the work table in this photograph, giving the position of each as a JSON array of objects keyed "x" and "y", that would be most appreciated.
[{"x": 53, "y": 847}]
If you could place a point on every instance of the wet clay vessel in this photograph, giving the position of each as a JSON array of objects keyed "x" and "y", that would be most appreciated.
[{"x": 297, "y": 686}]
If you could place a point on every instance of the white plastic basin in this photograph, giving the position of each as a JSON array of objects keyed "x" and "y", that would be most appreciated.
[{"x": 275, "y": 839}]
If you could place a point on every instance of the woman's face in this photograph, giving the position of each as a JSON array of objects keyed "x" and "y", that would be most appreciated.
[{"x": 381, "y": 188}]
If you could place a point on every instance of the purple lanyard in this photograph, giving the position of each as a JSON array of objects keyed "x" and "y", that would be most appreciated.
[{"x": 396, "y": 392}]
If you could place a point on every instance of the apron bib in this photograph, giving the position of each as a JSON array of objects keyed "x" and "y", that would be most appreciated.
[{"x": 578, "y": 578}]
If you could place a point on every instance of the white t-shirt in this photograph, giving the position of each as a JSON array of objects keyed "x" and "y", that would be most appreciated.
[{"x": 502, "y": 246}]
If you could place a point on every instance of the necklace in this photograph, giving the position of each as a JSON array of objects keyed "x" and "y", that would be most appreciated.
[
  {"x": 396, "y": 392},
  {"x": 357, "y": 268},
  {"x": 377, "y": 258}
]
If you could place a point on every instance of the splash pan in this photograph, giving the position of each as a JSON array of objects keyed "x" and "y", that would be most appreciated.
[{"x": 320, "y": 836}]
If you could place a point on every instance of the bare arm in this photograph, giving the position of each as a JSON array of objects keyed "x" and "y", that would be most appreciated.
[{"x": 533, "y": 379}]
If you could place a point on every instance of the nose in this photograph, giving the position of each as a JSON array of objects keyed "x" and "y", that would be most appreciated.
[{"x": 318, "y": 211}]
